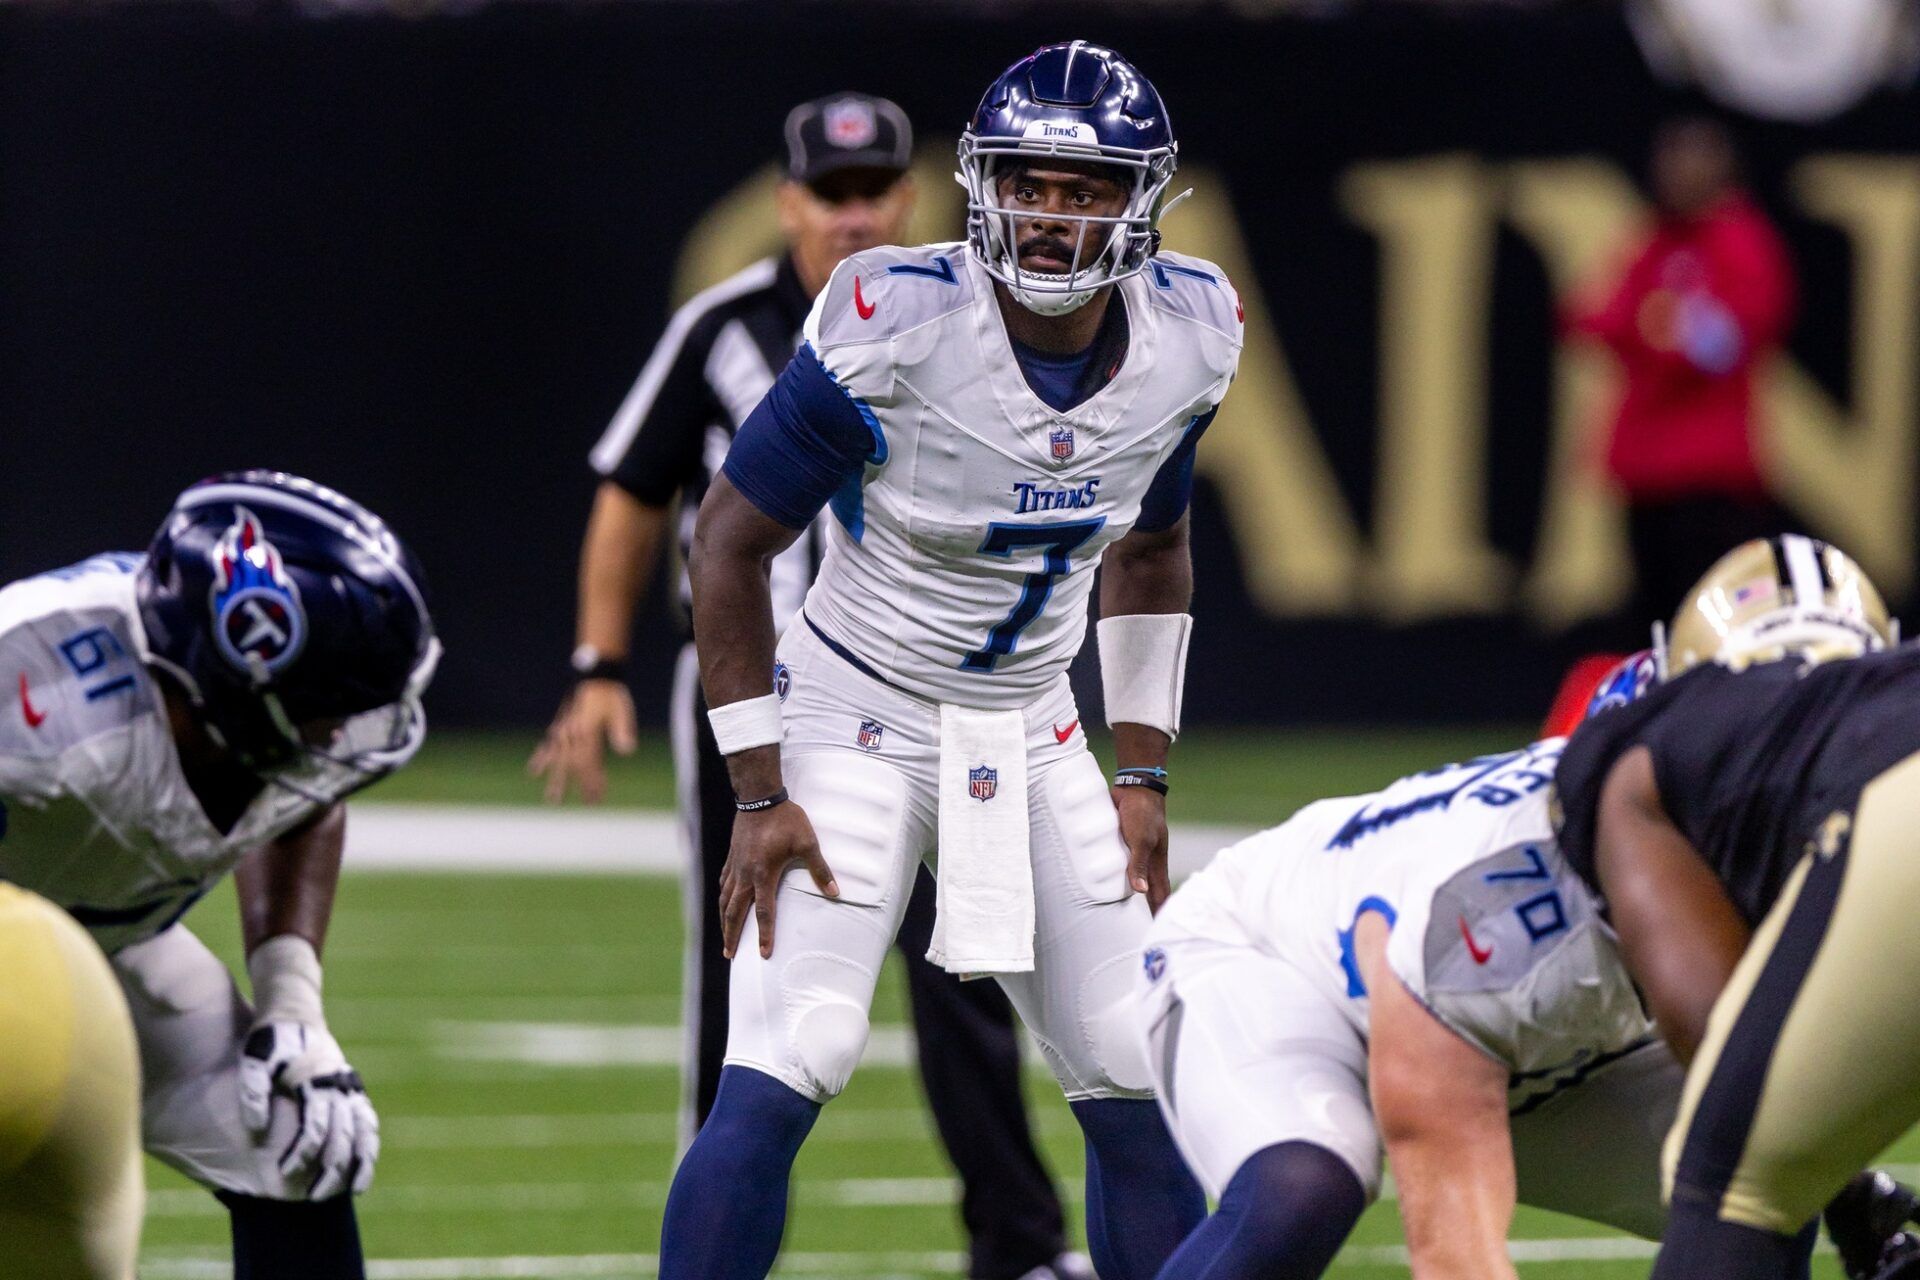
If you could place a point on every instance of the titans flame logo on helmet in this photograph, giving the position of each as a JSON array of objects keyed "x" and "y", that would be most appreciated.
[{"x": 259, "y": 623}]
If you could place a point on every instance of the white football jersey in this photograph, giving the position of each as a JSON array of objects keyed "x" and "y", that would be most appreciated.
[
  {"x": 99, "y": 815},
  {"x": 960, "y": 564},
  {"x": 1490, "y": 928}
]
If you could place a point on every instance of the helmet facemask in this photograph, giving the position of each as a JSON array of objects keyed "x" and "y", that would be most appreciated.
[
  {"x": 359, "y": 750},
  {"x": 1125, "y": 241}
]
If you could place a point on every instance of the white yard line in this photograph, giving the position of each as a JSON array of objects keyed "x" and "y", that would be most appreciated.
[
  {"x": 619, "y": 1129},
  {"x": 575, "y": 1197},
  {"x": 474, "y": 838},
  {"x": 842, "y": 1266}
]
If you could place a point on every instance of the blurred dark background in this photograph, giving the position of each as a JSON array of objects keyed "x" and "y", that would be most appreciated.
[{"x": 421, "y": 258}]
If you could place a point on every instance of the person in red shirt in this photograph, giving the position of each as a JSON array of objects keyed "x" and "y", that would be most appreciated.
[{"x": 1703, "y": 304}]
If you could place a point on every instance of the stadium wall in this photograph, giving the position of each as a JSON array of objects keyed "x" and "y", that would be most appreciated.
[{"x": 422, "y": 260}]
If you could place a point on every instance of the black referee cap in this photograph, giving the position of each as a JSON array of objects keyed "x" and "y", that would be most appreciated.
[{"x": 847, "y": 131}]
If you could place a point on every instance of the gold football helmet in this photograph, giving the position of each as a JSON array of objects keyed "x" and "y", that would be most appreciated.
[{"x": 1773, "y": 597}]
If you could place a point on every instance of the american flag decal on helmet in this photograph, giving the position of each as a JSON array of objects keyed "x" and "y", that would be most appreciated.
[{"x": 983, "y": 783}]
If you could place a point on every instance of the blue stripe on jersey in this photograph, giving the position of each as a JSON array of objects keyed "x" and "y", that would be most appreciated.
[
  {"x": 807, "y": 440},
  {"x": 1172, "y": 488}
]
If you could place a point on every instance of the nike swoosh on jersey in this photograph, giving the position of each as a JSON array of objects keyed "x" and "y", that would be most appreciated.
[
  {"x": 1061, "y": 735},
  {"x": 1480, "y": 956},
  {"x": 860, "y": 304},
  {"x": 34, "y": 718}
]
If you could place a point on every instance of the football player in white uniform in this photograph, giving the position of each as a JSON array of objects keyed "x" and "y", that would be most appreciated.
[
  {"x": 987, "y": 421},
  {"x": 1366, "y": 974},
  {"x": 201, "y": 709}
]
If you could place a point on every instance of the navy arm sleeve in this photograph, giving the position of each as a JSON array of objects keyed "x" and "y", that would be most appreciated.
[
  {"x": 1172, "y": 487},
  {"x": 802, "y": 442}
]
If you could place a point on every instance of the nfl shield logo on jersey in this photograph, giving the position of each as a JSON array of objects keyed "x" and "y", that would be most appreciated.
[
  {"x": 869, "y": 735},
  {"x": 1060, "y": 443},
  {"x": 983, "y": 782}
]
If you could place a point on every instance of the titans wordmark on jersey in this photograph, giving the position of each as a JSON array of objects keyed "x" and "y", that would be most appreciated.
[
  {"x": 100, "y": 817},
  {"x": 970, "y": 514}
]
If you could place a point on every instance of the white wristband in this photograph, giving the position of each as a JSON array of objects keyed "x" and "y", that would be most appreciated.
[
  {"x": 1143, "y": 668},
  {"x": 744, "y": 725},
  {"x": 286, "y": 981}
]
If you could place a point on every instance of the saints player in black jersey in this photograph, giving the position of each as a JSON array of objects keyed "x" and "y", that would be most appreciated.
[{"x": 1752, "y": 825}]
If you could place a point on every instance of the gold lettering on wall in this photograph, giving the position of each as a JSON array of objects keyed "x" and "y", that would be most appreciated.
[
  {"x": 1852, "y": 471},
  {"x": 1578, "y": 214},
  {"x": 1849, "y": 468},
  {"x": 1299, "y": 546},
  {"x": 1435, "y": 219}
]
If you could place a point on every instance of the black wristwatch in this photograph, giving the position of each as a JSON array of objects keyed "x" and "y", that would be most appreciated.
[{"x": 590, "y": 664}]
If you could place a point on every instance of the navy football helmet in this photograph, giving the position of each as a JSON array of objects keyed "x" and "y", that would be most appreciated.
[
  {"x": 296, "y": 624},
  {"x": 1079, "y": 102}
]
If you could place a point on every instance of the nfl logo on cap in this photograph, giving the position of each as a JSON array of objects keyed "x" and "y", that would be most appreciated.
[
  {"x": 983, "y": 782},
  {"x": 850, "y": 123},
  {"x": 869, "y": 735},
  {"x": 1060, "y": 443}
]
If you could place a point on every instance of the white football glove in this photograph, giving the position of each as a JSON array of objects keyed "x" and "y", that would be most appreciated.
[{"x": 291, "y": 1053}]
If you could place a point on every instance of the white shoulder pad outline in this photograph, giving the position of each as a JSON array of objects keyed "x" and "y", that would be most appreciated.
[
  {"x": 1515, "y": 958},
  {"x": 878, "y": 294},
  {"x": 1198, "y": 290}
]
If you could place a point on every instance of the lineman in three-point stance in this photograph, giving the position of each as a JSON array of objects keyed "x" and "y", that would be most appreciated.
[{"x": 203, "y": 708}]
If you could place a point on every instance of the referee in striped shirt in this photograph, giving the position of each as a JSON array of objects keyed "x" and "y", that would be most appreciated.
[{"x": 847, "y": 188}]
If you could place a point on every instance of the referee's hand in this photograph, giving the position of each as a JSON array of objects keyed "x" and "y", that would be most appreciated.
[{"x": 571, "y": 755}]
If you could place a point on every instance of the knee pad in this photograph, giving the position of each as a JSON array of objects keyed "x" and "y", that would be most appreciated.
[
  {"x": 1113, "y": 1026},
  {"x": 826, "y": 998}
]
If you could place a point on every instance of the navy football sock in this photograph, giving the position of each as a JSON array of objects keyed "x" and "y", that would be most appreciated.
[
  {"x": 1141, "y": 1201},
  {"x": 728, "y": 1206},
  {"x": 294, "y": 1239},
  {"x": 1698, "y": 1243},
  {"x": 1284, "y": 1216}
]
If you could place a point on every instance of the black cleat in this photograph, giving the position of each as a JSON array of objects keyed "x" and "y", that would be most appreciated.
[{"x": 1867, "y": 1222}]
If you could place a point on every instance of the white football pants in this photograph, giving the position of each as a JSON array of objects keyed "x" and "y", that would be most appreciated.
[
  {"x": 860, "y": 757},
  {"x": 1247, "y": 1051}
]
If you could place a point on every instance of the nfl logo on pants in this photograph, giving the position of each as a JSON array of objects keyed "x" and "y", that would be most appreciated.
[
  {"x": 983, "y": 782},
  {"x": 869, "y": 736}
]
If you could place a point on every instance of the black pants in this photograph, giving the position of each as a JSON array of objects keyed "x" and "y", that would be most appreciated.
[
  {"x": 968, "y": 1049},
  {"x": 1675, "y": 542}
]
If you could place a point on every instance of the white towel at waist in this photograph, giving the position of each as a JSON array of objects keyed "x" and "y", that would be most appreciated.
[{"x": 983, "y": 920}]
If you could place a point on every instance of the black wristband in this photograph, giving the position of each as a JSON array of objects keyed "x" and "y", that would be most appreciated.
[
  {"x": 604, "y": 669},
  {"x": 755, "y": 806},
  {"x": 1146, "y": 780}
]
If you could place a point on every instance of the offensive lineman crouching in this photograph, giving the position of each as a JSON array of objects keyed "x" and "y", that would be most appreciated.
[
  {"x": 202, "y": 708},
  {"x": 921, "y": 702}
]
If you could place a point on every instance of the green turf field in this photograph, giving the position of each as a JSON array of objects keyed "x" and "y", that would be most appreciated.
[{"x": 519, "y": 1036}]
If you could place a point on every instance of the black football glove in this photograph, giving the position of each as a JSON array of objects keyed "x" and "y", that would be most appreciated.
[{"x": 1868, "y": 1222}]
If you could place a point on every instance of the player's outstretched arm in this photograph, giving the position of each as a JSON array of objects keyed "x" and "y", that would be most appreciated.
[
  {"x": 1148, "y": 573},
  {"x": 734, "y": 542},
  {"x": 1680, "y": 935},
  {"x": 286, "y": 889},
  {"x": 616, "y": 560},
  {"x": 1442, "y": 1109}
]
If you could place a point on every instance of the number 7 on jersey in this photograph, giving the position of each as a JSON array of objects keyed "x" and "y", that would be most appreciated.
[{"x": 1059, "y": 541}]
